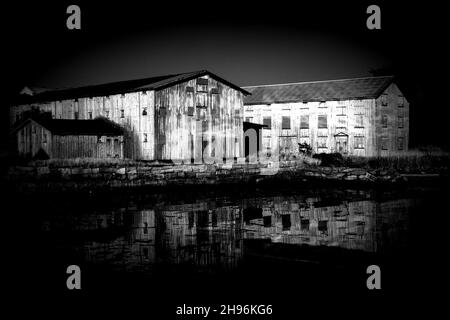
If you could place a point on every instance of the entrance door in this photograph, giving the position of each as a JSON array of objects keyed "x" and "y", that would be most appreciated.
[{"x": 341, "y": 144}]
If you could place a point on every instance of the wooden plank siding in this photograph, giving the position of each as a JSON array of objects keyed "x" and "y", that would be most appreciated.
[{"x": 157, "y": 124}]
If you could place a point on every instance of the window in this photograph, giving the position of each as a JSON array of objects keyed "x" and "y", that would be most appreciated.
[
  {"x": 107, "y": 114},
  {"x": 384, "y": 121},
  {"x": 359, "y": 121},
  {"x": 90, "y": 115},
  {"x": 202, "y": 85},
  {"x": 145, "y": 137},
  {"x": 144, "y": 93},
  {"x": 285, "y": 122},
  {"x": 189, "y": 89},
  {"x": 75, "y": 115},
  {"x": 400, "y": 143},
  {"x": 341, "y": 121},
  {"x": 359, "y": 142},
  {"x": 304, "y": 122},
  {"x": 162, "y": 112},
  {"x": 201, "y": 100},
  {"x": 248, "y": 119},
  {"x": 214, "y": 90},
  {"x": 384, "y": 99},
  {"x": 122, "y": 113},
  {"x": 384, "y": 143},
  {"x": 322, "y": 104},
  {"x": 322, "y": 122},
  {"x": 322, "y": 143},
  {"x": 341, "y": 110},
  {"x": 191, "y": 111},
  {"x": 99, "y": 139},
  {"x": 144, "y": 111},
  {"x": 44, "y": 136},
  {"x": 401, "y": 122},
  {"x": 267, "y": 121}
]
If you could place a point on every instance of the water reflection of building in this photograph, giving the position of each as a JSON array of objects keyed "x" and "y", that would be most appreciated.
[
  {"x": 208, "y": 236},
  {"x": 349, "y": 225}
]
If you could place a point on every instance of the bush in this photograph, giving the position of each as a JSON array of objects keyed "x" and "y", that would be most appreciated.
[{"x": 330, "y": 159}]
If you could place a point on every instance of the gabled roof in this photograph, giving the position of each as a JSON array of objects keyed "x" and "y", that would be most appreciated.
[
  {"x": 343, "y": 89},
  {"x": 153, "y": 83},
  {"x": 98, "y": 126}
]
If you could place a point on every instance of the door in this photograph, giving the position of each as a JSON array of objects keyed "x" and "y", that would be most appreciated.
[{"x": 341, "y": 144}]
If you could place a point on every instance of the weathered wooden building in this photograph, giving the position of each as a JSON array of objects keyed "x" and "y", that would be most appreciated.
[
  {"x": 362, "y": 116},
  {"x": 59, "y": 138},
  {"x": 195, "y": 116}
]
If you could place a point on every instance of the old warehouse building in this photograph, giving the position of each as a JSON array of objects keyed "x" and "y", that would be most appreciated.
[
  {"x": 188, "y": 117},
  {"x": 362, "y": 116}
]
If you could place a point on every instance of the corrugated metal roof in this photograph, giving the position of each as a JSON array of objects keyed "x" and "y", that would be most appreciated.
[
  {"x": 343, "y": 89},
  {"x": 153, "y": 83},
  {"x": 94, "y": 127}
]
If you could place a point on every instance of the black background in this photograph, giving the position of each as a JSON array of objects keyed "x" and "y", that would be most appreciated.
[{"x": 411, "y": 45}]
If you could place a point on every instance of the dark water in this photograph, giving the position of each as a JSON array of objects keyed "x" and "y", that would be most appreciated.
[{"x": 242, "y": 246}]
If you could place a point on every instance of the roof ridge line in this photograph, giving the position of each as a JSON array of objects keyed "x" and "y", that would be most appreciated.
[{"x": 317, "y": 81}]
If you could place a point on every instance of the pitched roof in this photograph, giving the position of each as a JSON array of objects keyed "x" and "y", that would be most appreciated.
[
  {"x": 344, "y": 89},
  {"x": 153, "y": 83},
  {"x": 98, "y": 126}
]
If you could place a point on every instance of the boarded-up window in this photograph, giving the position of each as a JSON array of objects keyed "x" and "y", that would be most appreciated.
[
  {"x": 384, "y": 101},
  {"x": 359, "y": 120},
  {"x": 304, "y": 122},
  {"x": 384, "y": 121},
  {"x": 322, "y": 121},
  {"x": 285, "y": 122},
  {"x": 359, "y": 142},
  {"x": 191, "y": 111},
  {"x": 400, "y": 143},
  {"x": 401, "y": 121},
  {"x": 267, "y": 121},
  {"x": 384, "y": 143},
  {"x": 202, "y": 85}
]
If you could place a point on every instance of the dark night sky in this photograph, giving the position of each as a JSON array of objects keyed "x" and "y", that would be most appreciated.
[{"x": 245, "y": 42}]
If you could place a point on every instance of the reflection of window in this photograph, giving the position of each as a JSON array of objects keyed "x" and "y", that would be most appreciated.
[
  {"x": 401, "y": 121},
  {"x": 304, "y": 122},
  {"x": 322, "y": 121},
  {"x": 384, "y": 121},
  {"x": 401, "y": 101},
  {"x": 400, "y": 143},
  {"x": 202, "y": 85},
  {"x": 359, "y": 142},
  {"x": 384, "y": 143},
  {"x": 359, "y": 119},
  {"x": 285, "y": 122},
  {"x": 267, "y": 121}
]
